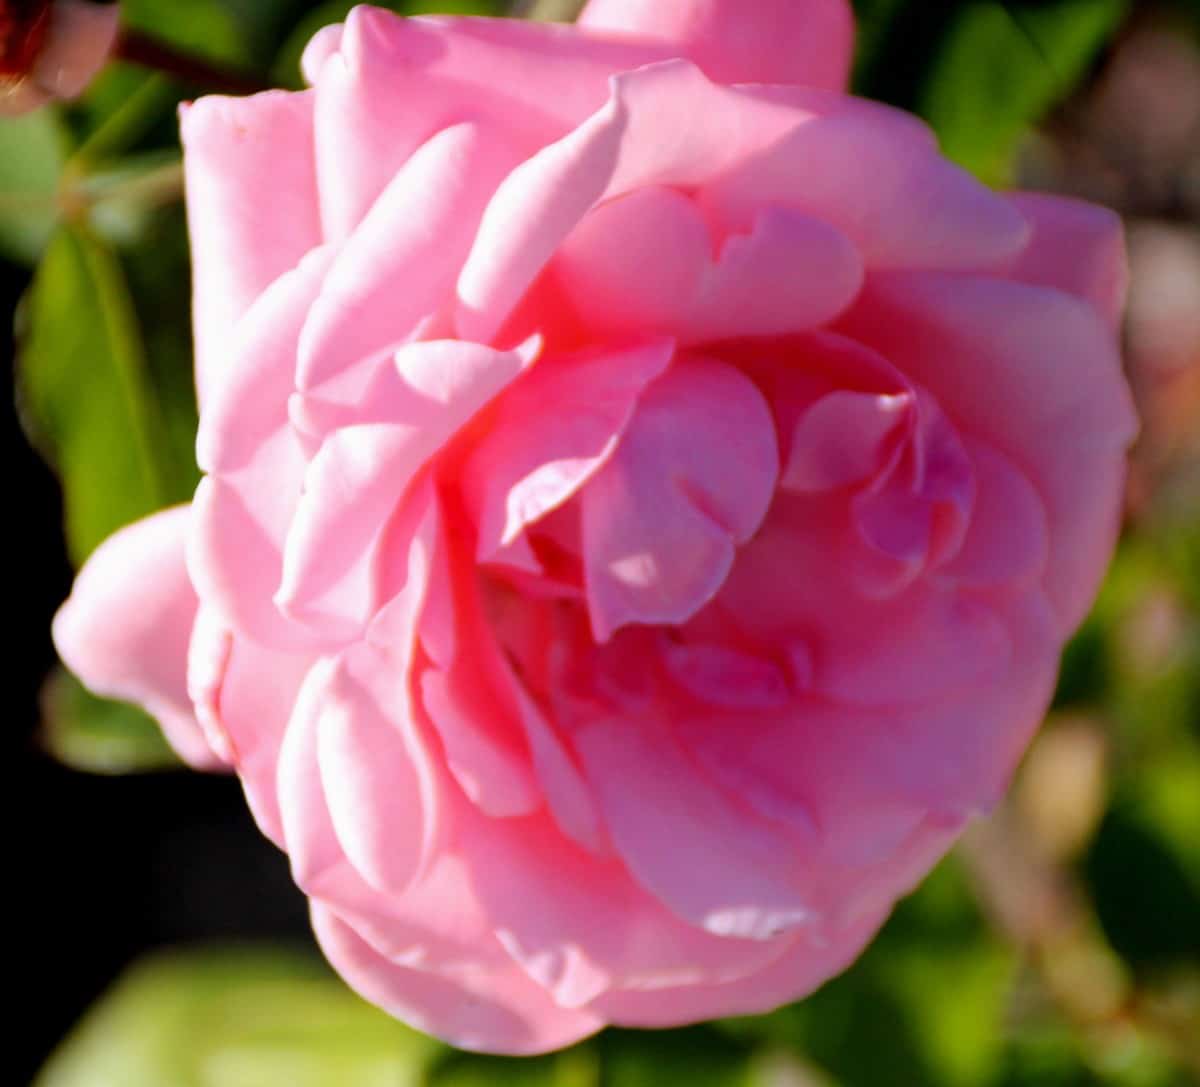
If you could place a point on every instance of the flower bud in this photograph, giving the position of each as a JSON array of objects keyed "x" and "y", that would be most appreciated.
[{"x": 51, "y": 49}]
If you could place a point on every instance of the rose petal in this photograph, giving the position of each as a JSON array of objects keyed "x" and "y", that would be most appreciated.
[
  {"x": 362, "y": 473},
  {"x": 252, "y": 209},
  {"x": 125, "y": 628},
  {"x": 395, "y": 82},
  {"x": 662, "y": 520},
  {"x": 691, "y": 846},
  {"x": 1034, "y": 373},
  {"x": 496, "y": 1010},
  {"x": 1076, "y": 247},
  {"x": 425, "y": 218},
  {"x": 776, "y": 41},
  {"x": 554, "y": 430}
]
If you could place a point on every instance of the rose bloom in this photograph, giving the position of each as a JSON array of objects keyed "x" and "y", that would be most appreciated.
[
  {"x": 648, "y": 491},
  {"x": 51, "y": 49}
]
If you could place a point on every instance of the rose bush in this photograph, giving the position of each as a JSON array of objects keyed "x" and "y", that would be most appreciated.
[
  {"x": 51, "y": 49},
  {"x": 647, "y": 493}
]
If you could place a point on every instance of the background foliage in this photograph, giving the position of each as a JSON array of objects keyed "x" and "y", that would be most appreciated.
[{"x": 1060, "y": 946}]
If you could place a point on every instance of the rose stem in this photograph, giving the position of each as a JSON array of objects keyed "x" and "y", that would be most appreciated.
[{"x": 141, "y": 49}]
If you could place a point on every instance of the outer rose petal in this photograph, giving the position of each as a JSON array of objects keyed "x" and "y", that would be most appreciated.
[
  {"x": 252, "y": 207},
  {"x": 243, "y": 717},
  {"x": 691, "y": 479},
  {"x": 394, "y": 82},
  {"x": 743, "y": 150},
  {"x": 1076, "y": 247},
  {"x": 810, "y": 963},
  {"x": 496, "y": 1010},
  {"x": 768, "y": 41},
  {"x": 125, "y": 628},
  {"x": 1036, "y": 374}
]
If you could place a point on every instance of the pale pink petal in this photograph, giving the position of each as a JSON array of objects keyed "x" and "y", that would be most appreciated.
[
  {"x": 395, "y": 82},
  {"x": 768, "y": 41},
  {"x": 811, "y": 962},
  {"x": 881, "y": 182},
  {"x": 436, "y": 925},
  {"x": 377, "y": 773},
  {"x": 242, "y": 511},
  {"x": 581, "y": 927},
  {"x": 692, "y": 479},
  {"x": 496, "y": 779},
  {"x": 635, "y": 265},
  {"x": 687, "y": 842},
  {"x": 252, "y": 209},
  {"x": 644, "y": 263},
  {"x": 362, "y": 472},
  {"x": 125, "y": 628},
  {"x": 243, "y": 717},
  {"x": 868, "y": 172},
  {"x": 1076, "y": 247},
  {"x": 496, "y": 1010},
  {"x": 424, "y": 220},
  {"x": 1034, "y": 373},
  {"x": 321, "y": 46},
  {"x": 553, "y": 430}
]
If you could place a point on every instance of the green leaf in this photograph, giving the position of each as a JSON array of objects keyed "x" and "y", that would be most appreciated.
[
  {"x": 98, "y": 736},
  {"x": 697, "y": 1056},
  {"x": 33, "y": 151},
  {"x": 205, "y": 27},
  {"x": 236, "y": 1018},
  {"x": 1147, "y": 900},
  {"x": 86, "y": 393},
  {"x": 1002, "y": 66},
  {"x": 575, "y": 1068}
]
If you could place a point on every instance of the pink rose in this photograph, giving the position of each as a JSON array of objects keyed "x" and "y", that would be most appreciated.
[
  {"x": 51, "y": 49},
  {"x": 648, "y": 491}
]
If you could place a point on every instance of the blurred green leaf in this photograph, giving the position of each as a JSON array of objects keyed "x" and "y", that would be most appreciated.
[
  {"x": 87, "y": 396},
  {"x": 1002, "y": 66},
  {"x": 980, "y": 71},
  {"x": 98, "y": 736},
  {"x": 33, "y": 151},
  {"x": 577, "y": 1067},
  {"x": 210, "y": 28},
  {"x": 236, "y": 1018},
  {"x": 696, "y": 1056},
  {"x": 1147, "y": 902},
  {"x": 924, "y": 1005}
]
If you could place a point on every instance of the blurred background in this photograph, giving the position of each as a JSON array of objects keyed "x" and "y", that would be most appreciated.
[{"x": 159, "y": 940}]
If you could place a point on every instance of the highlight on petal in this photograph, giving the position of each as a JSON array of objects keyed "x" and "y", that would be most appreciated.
[
  {"x": 769, "y": 41},
  {"x": 125, "y": 628},
  {"x": 685, "y": 841},
  {"x": 425, "y": 218},
  {"x": 243, "y": 509},
  {"x": 361, "y": 474},
  {"x": 393, "y": 82}
]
